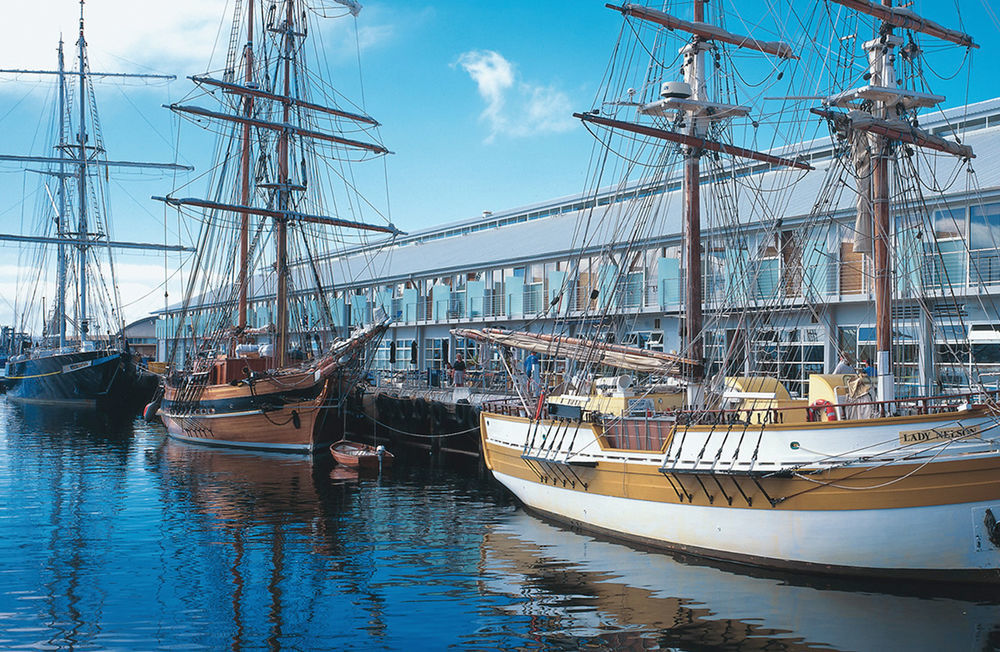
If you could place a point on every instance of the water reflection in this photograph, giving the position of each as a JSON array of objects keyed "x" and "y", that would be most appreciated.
[
  {"x": 113, "y": 537},
  {"x": 303, "y": 554},
  {"x": 268, "y": 518},
  {"x": 64, "y": 481},
  {"x": 59, "y": 425},
  {"x": 576, "y": 588}
]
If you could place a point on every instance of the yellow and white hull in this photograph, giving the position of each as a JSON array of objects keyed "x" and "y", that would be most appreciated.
[{"x": 845, "y": 498}]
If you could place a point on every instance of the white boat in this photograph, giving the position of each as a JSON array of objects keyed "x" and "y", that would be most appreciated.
[{"x": 860, "y": 478}]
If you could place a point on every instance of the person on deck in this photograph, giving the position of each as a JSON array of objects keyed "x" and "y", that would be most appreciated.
[
  {"x": 532, "y": 369},
  {"x": 458, "y": 371},
  {"x": 844, "y": 366}
]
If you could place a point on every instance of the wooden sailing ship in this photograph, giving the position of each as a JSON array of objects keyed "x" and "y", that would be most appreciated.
[
  {"x": 278, "y": 384},
  {"x": 854, "y": 479},
  {"x": 90, "y": 365}
]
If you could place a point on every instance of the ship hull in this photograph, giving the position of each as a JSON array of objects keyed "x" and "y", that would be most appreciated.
[
  {"x": 928, "y": 520},
  {"x": 286, "y": 413},
  {"x": 106, "y": 380}
]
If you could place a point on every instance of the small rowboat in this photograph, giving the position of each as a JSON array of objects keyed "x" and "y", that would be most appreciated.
[{"x": 360, "y": 456}]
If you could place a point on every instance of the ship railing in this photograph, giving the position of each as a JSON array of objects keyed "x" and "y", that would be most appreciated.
[
  {"x": 483, "y": 380},
  {"x": 511, "y": 407},
  {"x": 919, "y": 405},
  {"x": 906, "y": 406}
]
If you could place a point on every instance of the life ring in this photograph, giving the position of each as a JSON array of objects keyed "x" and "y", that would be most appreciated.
[{"x": 822, "y": 403}]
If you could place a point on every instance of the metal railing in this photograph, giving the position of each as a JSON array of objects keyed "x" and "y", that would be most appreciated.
[{"x": 920, "y": 406}]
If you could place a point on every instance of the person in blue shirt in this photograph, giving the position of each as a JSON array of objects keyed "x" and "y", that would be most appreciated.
[
  {"x": 532, "y": 369},
  {"x": 870, "y": 370}
]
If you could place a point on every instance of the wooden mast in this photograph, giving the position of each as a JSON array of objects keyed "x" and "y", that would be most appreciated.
[
  {"x": 885, "y": 129},
  {"x": 699, "y": 113},
  {"x": 693, "y": 339},
  {"x": 883, "y": 75},
  {"x": 284, "y": 184},
  {"x": 248, "y": 102}
]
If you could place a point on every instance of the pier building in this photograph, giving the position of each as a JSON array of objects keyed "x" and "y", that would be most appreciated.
[{"x": 524, "y": 267}]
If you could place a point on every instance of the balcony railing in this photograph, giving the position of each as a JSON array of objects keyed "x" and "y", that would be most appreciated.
[
  {"x": 850, "y": 275},
  {"x": 984, "y": 267}
]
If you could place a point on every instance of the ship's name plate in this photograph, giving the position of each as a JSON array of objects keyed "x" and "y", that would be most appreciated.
[{"x": 907, "y": 437}]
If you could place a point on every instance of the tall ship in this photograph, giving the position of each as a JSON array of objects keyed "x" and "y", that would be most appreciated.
[
  {"x": 82, "y": 357},
  {"x": 263, "y": 367},
  {"x": 703, "y": 450}
]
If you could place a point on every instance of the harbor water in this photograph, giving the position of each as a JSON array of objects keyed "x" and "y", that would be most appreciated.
[{"x": 114, "y": 537}]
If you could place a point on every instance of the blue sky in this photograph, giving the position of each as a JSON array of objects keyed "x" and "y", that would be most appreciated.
[{"x": 475, "y": 100}]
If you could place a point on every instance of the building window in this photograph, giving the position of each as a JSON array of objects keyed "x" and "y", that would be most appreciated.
[{"x": 984, "y": 241}]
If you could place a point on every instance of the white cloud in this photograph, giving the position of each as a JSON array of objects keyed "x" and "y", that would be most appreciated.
[
  {"x": 139, "y": 284},
  {"x": 124, "y": 35},
  {"x": 180, "y": 37},
  {"x": 515, "y": 108}
]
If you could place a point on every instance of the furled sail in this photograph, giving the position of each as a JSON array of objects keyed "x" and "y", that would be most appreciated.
[
  {"x": 612, "y": 355},
  {"x": 862, "y": 159}
]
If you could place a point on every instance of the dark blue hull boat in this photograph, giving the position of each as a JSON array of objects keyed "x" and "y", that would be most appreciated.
[{"x": 106, "y": 379}]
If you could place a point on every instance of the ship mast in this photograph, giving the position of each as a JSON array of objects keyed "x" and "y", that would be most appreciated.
[
  {"x": 694, "y": 75},
  {"x": 61, "y": 218},
  {"x": 75, "y": 156},
  {"x": 282, "y": 209},
  {"x": 83, "y": 324},
  {"x": 245, "y": 178},
  {"x": 886, "y": 128},
  {"x": 882, "y": 59},
  {"x": 284, "y": 185},
  {"x": 698, "y": 114}
]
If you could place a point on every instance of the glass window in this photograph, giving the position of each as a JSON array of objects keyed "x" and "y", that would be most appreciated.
[
  {"x": 404, "y": 354},
  {"x": 950, "y": 331},
  {"x": 435, "y": 352},
  {"x": 985, "y": 227},
  {"x": 986, "y": 353},
  {"x": 949, "y": 223}
]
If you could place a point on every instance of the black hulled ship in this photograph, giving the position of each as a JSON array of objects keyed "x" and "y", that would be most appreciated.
[{"x": 82, "y": 357}]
